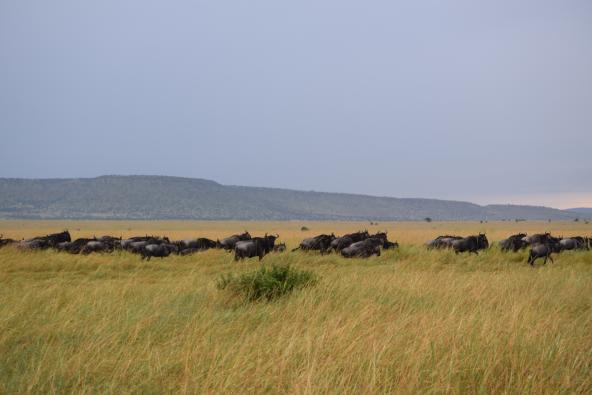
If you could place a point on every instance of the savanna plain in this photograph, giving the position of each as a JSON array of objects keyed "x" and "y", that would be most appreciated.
[{"x": 409, "y": 321}]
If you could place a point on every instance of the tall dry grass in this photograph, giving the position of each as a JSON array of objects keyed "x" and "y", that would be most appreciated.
[{"x": 409, "y": 321}]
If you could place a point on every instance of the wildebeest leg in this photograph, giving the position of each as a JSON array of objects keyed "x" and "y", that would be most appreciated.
[{"x": 551, "y": 258}]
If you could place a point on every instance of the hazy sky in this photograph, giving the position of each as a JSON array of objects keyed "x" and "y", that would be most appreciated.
[{"x": 488, "y": 101}]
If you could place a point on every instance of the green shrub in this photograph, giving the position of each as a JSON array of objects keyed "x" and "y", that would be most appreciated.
[{"x": 267, "y": 282}]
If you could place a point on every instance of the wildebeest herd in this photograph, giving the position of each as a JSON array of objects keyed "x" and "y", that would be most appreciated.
[
  {"x": 542, "y": 245},
  {"x": 359, "y": 244}
]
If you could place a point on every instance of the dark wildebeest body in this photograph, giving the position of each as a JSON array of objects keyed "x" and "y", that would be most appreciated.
[
  {"x": 257, "y": 246},
  {"x": 111, "y": 241},
  {"x": 514, "y": 243},
  {"x": 5, "y": 242},
  {"x": 363, "y": 249},
  {"x": 198, "y": 244},
  {"x": 136, "y": 247},
  {"x": 49, "y": 241},
  {"x": 157, "y": 250},
  {"x": 574, "y": 243},
  {"x": 229, "y": 242},
  {"x": 345, "y": 241},
  {"x": 131, "y": 243},
  {"x": 96, "y": 246},
  {"x": 386, "y": 244},
  {"x": 318, "y": 243},
  {"x": 75, "y": 246},
  {"x": 442, "y": 242},
  {"x": 543, "y": 250},
  {"x": 471, "y": 244},
  {"x": 539, "y": 238}
]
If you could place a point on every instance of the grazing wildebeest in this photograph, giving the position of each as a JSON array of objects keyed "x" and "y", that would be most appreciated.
[
  {"x": 199, "y": 244},
  {"x": 345, "y": 241},
  {"x": 363, "y": 249},
  {"x": 514, "y": 243},
  {"x": 257, "y": 246},
  {"x": 442, "y": 242},
  {"x": 157, "y": 250},
  {"x": 543, "y": 250},
  {"x": 229, "y": 242},
  {"x": 318, "y": 243},
  {"x": 471, "y": 244}
]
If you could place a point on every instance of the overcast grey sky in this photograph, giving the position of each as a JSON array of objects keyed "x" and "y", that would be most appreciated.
[{"x": 487, "y": 101}]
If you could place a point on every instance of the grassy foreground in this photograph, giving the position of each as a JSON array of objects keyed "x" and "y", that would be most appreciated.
[{"x": 411, "y": 321}]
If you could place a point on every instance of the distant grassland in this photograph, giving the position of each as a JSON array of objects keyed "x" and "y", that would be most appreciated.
[{"x": 409, "y": 321}]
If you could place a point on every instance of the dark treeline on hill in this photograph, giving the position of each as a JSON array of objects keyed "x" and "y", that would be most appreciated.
[{"x": 160, "y": 197}]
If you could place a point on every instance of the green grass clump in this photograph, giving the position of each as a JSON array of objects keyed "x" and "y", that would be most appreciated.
[{"x": 267, "y": 282}]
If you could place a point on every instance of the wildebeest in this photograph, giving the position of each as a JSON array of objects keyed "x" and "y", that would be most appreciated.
[
  {"x": 514, "y": 243},
  {"x": 471, "y": 244},
  {"x": 386, "y": 244},
  {"x": 543, "y": 250},
  {"x": 199, "y": 244},
  {"x": 574, "y": 243},
  {"x": 5, "y": 242},
  {"x": 257, "y": 246},
  {"x": 442, "y": 242},
  {"x": 136, "y": 244},
  {"x": 539, "y": 238},
  {"x": 345, "y": 241},
  {"x": 363, "y": 249},
  {"x": 112, "y": 241},
  {"x": 157, "y": 250},
  {"x": 73, "y": 247},
  {"x": 318, "y": 243},
  {"x": 44, "y": 242},
  {"x": 96, "y": 246},
  {"x": 229, "y": 242}
]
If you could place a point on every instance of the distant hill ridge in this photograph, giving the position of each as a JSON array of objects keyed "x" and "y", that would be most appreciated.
[{"x": 163, "y": 197}]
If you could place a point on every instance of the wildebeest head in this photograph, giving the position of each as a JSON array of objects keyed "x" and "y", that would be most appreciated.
[{"x": 482, "y": 241}]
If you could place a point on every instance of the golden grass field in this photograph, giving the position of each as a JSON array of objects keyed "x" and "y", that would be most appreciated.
[{"x": 409, "y": 321}]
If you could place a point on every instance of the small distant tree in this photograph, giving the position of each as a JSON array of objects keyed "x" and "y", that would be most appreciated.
[
  {"x": 576, "y": 219},
  {"x": 304, "y": 229},
  {"x": 427, "y": 219}
]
